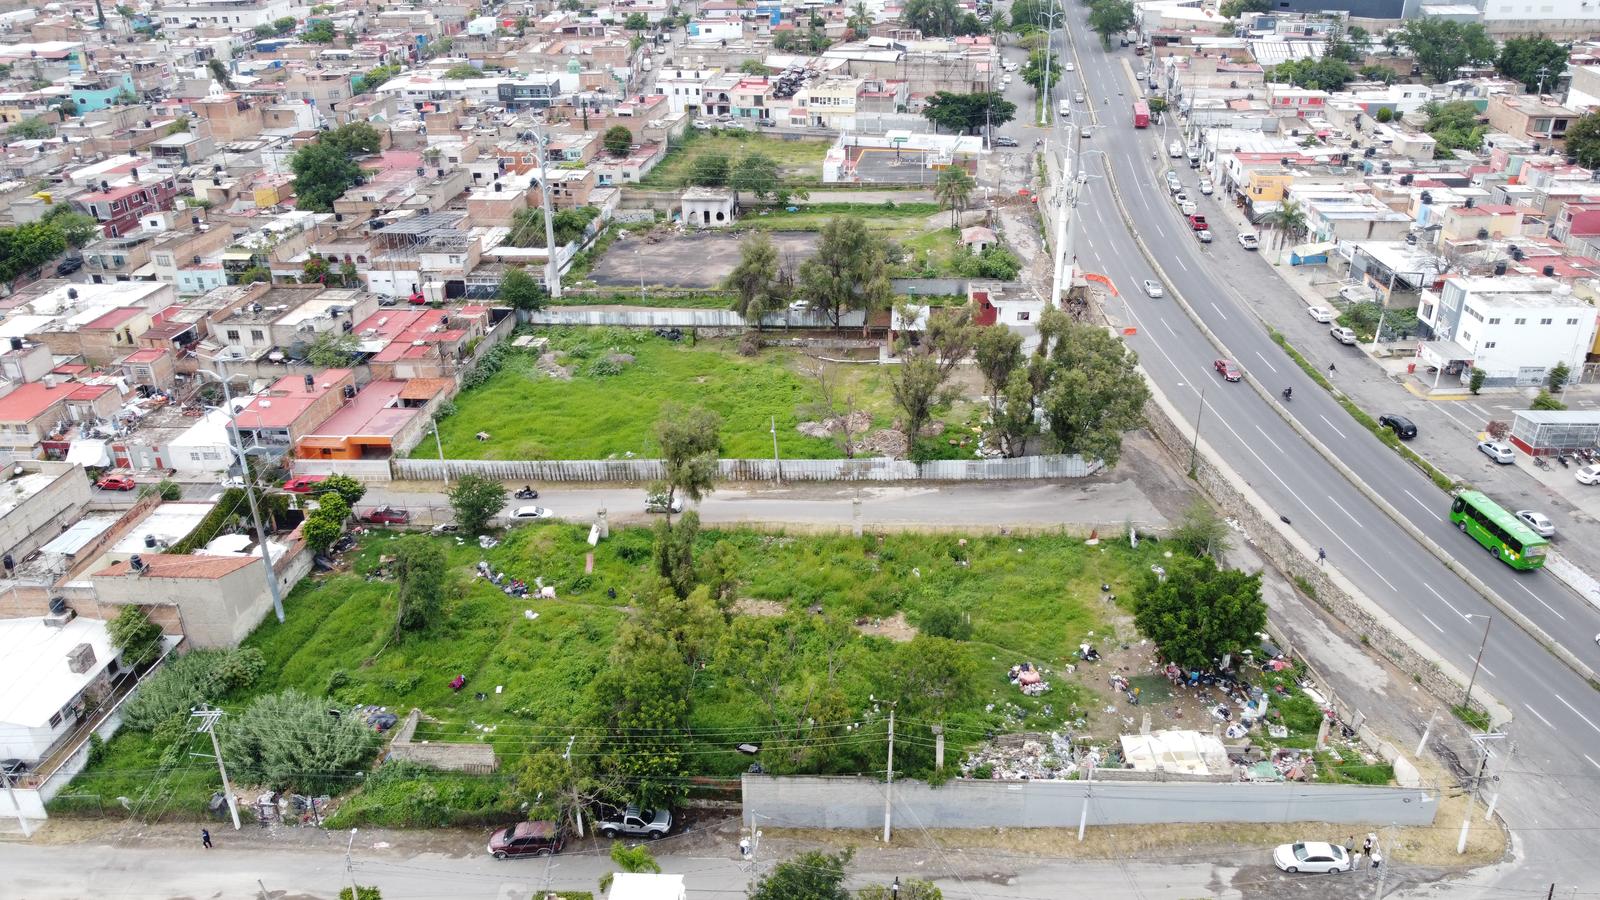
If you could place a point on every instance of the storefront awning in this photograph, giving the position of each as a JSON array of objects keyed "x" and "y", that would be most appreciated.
[{"x": 1442, "y": 353}]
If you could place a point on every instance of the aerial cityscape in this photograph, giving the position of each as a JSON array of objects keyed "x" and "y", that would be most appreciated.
[{"x": 799, "y": 450}]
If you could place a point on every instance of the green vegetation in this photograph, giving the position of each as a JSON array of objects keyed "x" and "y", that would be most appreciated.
[
  {"x": 1583, "y": 140},
  {"x": 1474, "y": 718},
  {"x": 966, "y": 113},
  {"x": 1364, "y": 318},
  {"x": 34, "y": 128},
  {"x": 939, "y": 18},
  {"x": 1109, "y": 17},
  {"x": 608, "y": 407},
  {"x": 1442, "y": 46},
  {"x": 1456, "y": 125},
  {"x": 1325, "y": 74},
  {"x": 1536, "y": 61},
  {"x": 896, "y": 221},
  {"x": 800, "y": 162},
  {"x": 326, "y": 168}
]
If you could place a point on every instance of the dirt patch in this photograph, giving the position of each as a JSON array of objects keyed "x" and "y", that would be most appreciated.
[
  {"x": 895, "y": 628},
  {"x": 767, "y": 609}
]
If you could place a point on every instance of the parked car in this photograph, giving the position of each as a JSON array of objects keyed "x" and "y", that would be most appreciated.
[
  {"x": 1343, "y": 335},
  {"x": 537, "y": 838},
  {"x": 1321, "y": 314},
  {"x": 1197, "y": 222},
  {"x": 69, "y": 265},
  {"x": 1206, "y": 187},
  {"x": 1085, "y": 132},
  {"x": 1175, "y": 149},
  {"x": 1311, "y": 856},
  {"x": 1153, "y": 288},
  {"x": 1003, "y": 141},
  {"x": 636, "y": 822},
  {"x": 657, "y": 503},
  {"x": 1187, "y": 206},
  {"x": 1203, "y": 235},
  {"x": 387, "y": 515},
  {"x": 1501, "y": 452},
  {"x": 1249, "y": 241},
  {"x": 1541, "y": 525},
  {"x": 529, "y": 512},
  {"x": 1403, "y": 427},
  {"x": 1174, "y": 183},
  {"x": 1227, "y": 370},
  {"x": 116, "y": 483},
  {"x": 1180, "y": 197},
  {"x": 1589, "y": 474},
  {"x": 702, "y": 125},
  {"x": 303, "y": 484}
]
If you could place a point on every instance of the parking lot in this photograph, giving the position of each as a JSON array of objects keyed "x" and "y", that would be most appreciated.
[{"x": 699, "y": 260}]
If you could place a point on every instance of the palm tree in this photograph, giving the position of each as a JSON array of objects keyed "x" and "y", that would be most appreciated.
[
  {"x": 860, "y": 21},
  {"x": 1289, "y": 221},
  {"x": 952, "y": 189}
]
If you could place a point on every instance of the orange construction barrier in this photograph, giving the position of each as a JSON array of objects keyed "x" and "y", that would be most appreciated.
[{"x": 1096, "y": 276}]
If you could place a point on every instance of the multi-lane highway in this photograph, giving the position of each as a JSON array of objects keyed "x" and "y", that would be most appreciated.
[{"x": 1557, "y": 728}]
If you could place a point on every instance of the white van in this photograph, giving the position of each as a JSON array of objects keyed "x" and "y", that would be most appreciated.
[
  {"x": 1175, "y": 149},
  {"x": 1066, "y": 107}
]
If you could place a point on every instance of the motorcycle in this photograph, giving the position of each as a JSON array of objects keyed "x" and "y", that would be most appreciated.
[
  {"x": 1541, "y": 462},
  {"x": 1287, "y": 393},
  {"x": 526, "y": 493},
  {"x": 1562, "y": 458}
]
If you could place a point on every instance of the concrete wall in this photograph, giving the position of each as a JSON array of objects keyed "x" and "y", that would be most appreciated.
[
  {"x": 858, "y": 803},
  {"x": 478, "y": 759},
  {"x": 639, "y": 470}
]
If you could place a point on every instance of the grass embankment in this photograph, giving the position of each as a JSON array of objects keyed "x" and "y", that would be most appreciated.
[{"x": 595, "y": 415}]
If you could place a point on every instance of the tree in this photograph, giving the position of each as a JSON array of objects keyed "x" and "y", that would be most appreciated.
[
  {"x": 636, "y": 22},
  {"x": 1476, "y": 379},
  {"x": 283, "y": 24},
  {"x": 1557, "y": 377},
  {"x": 1546, "y": 401},
  {"x": 135, "y": 637},
  {"x": 32, "y": 128},
  {"x": 322, "y": 173},
  {"x": 630, "y": 859},
  {"x": 27, "y": 247},
  {"x": 527, "y": 226},
  {"x": 938, "y": 18},
  {"x": 689, "y": 441},
  {"x": 350, "y": 489},
  {"x": 709, "y": 170},
  {"x": 314, "y": 270},
  {"x": 220, "y": 73},
  {"x": 860, "y": 21},
  {"x": 1028, "y": 15},
  {"x": 419, "y": 569},
  {"x": 931, "y": 674},
  {"x": 319, "y": 32},
  {"x": 254, "y": 274},
  {"x": 1583, "y": 140},
  {"x": 998, "y": 352},
  {"x": 673, "y": 552},
  {"x": 754, "y": 281},
  {"x": 1325, "y": 74},
  {"x": 522, "y": 290},
  {"x": 1196, "y": 613},
  {"x": 758, "y": 175},
  {"x": 1034, "y": 72},
  {"x": 1095, "y": 392},
  {"x": 1536, "y": 61},
  {"x": 348, "y": 275},
  {"x": 847, "y": 271},
  {"x": 966, "y": 113},
  {"x": 1013, "y": 421},
  {"x": 320, "y": 532},
  {"x": 77, "y": 228},
  {"x": 1233, "y": 9},
  {"x": 288, "y": 741},
  {"x": 1379, "y": 73},
  {"x": 1109, "y": 17},
  {"x": 918, "y": 383},
  {"x": 812, "y": 875},
  {"x": 1384, "y": 115},
  {"x": 1200, "y": 531},
  {"x": 333, "y": 350},
  {"x": 753, "y": 67},
  {"x": 476, "y": 500},
  {"x": 377, "y": 75},
  {"x": 952, "y": 190},
  {"x": 463, "y": 70},
  {"x": 618, "y": 140},
  {"x": 1455, "y": 126},
  {"x": 354, "y": 139},
  {"x": 1288, "y": 222},
  {"x": 1442, "y": 46},
  {"x": 641, "y": 704}
]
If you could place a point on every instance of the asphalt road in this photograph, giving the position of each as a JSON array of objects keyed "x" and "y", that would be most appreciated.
[{"x": 1557, "y": 730}]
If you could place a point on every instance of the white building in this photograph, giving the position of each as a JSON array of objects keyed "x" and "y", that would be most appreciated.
[
  {"x": 1514, "y": 328},
  {"x": 230, "y": 13},
  {"x": 49, "y": 673},
  {"x": 682, "y": 87}
]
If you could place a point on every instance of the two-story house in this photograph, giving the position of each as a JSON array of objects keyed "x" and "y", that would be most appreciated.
[{"x": 118, "y": 208}]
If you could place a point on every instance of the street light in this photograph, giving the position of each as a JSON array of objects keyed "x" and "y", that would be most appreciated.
[
  {"x": 236, "y": 442},
  {"x": 1466, "y": 702}
]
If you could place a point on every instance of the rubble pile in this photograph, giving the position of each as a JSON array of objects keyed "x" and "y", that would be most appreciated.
[{"x": 1024, "y": 757}]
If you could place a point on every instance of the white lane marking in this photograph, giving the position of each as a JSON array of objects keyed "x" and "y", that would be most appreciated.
[
  {"x": 1219, "y": 311},
  {"x": 1586, "y": 720},
  {"x": 1541, "y": 717},
  {"x": 1433, "y": 623},
  {"x": 1159, "y": 231},
  {"x": 1269, "y": 440},
  {"x": 1591, "y": 761},
  {"x": 1333, "y": 426},
  {"x": 1445, "y": 408},
  {"x": 1345, "y": 511},
  {"x": 1423, "y": 505},
  {"x": 1180, "y": 263},
  {"x": 1265, "y": 363},
  {"x": 1542, "y": 603},
  {"x": 1485, "y": 669},
  {"x": 1168, "y": 326},
  {"x": 1443, "y": 600}
]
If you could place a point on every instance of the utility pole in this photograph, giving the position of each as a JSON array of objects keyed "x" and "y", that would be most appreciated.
[
  {"x": 1194, "y": 448},
  {"x": 1466, "y": 702},
  {"x": 778, "y": 463},
  {"x": 1543, "y": 73},
  {"x": 1384, "y": 860},
  {"x": 208, "y": 725},
  {"x": 236, "y": 441},
  {"x": 438, "y": 445},
  {"x": 577, "y": 806},
  {"x": 552, "y": 270},
  {"x": 349, "y": 865},
  {"x": 888, "y": 793},
  {"x": 1083, "y": 815}
]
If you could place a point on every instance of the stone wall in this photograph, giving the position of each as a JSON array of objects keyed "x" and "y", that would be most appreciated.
[{"x": 478, "y": 759}]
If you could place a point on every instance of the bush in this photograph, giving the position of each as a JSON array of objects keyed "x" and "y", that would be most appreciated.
[
  {"x": 945, "y": 620},
  {"x": 202, "y": 676},
  {"x": 288, "y": 741},
  {"x": 230, "y": 507},
  {"x": 405, "y": 795}
]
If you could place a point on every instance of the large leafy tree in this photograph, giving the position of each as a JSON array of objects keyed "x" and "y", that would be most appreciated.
[
  {"x": 754, "y": 282},
  {"x": 1028, "y": 15},
  {"x": 804, "y": 708},
  {"x": 918, "y": 384},
  {"x": 522, "y": 290},
  {"x": 641, "y": 703},
  {"x": 1583, "y": 140},
  {"x": 27, "y": 247},
  {"x": 1034, "y": 72},
  {"x": 1196, "y": 612},
  {"x": 322, "y": 173},
  {"x": 930, "y": 675},
  {"x": 966, "y": 113},
  {"x": 349, "y": 488},
  {"x": 476, "y": 500},
  {"x": 1325, "y": 74},
  {"x": 618, "y": 140},
  {"x": 1456, "y": 126},
  {"x": 813, "y": 875},
  {"x": 288, "y": 741},
  {"x": 1534, "y": 61},
  {"x": 1441, "y": 46},
  {"x": 79, "y": 229},
  {"x": 847, "y": 272},
  {"x": 527, "y": 226},
  {"x": 136, "y": 637},
  {"x": 710, "y": 170},
  {"x": 333, "y": 350},
  {"x": 1109, "y": 17},
  {"x": 758, "y": 175},
  {"x": 689, "y": 440},
  {"x": 939, "y": 18},
  {"x": 419, "y": 569},
  {"x": 1095, "y": 391}
]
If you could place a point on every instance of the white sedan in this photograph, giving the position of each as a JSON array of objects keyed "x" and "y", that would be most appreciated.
[
  {"x": 1311, "y": 856},
  {"x": 1541, "y": 525},
  {"x": 1321, "y": 314},
  {"x": 523, "y": 513},
  {"x": 1589, "y": 475},
  {"x": 1152, "y": 288}
]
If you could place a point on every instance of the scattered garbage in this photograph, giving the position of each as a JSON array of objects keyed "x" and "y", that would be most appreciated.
[{"x": 1029, "y": 679}]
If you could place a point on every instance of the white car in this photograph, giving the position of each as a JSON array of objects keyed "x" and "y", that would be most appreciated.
[
  {"x": 522, "y": 513},
  {"x": 1589, "y": 474},
  {"x": 1541, "y": 525},
  {"x": 1175, "y": 149},
  {"x": 1321, "y": 314},
  {"x": 1077, "y": 96},
  {"x": 1187, "y": 206},
  {"x": 1153, "y": 288},
  {"x": 1501, "y": 452},
  {"x": 1249, "y": 241},
  {"x": 1206, "y": 187},
  {"x": 1343, "y": 335},
  {"x": 1311, "y": 856},
  {"x": 1085, "y": 133},
  {"x": 1069, "y": 67},
  {"x": 1203, "y": 235}
]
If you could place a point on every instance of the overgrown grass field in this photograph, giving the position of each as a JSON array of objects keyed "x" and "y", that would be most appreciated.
[{"x": 799, "y": 161}]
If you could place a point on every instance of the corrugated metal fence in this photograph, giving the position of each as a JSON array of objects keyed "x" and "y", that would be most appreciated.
[{"x": 640, "y": 470}]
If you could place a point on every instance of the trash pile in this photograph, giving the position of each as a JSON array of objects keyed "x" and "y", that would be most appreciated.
[
  {"x": 1029, "y": 679},
  {"x": 1023, "y": 757}
]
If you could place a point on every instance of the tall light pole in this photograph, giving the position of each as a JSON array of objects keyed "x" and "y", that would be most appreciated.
[
  {"x": 236, "y": 442},
  {"x": 1194, "y": 446},
  {"x": 552, "y": 268}
]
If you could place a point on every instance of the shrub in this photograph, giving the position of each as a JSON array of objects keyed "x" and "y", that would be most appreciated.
[
  {"x": 945, "y": 620},
  {"x": 288, "y": 740},
  {"x": 202, "y": 676}
]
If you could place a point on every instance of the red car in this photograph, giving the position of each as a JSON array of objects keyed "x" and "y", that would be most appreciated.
[
  {"x": 303, "y": 484},
  {"x": 1227, "y": 370},
  {"x": 1198, "y": 223},
  {"x": 115, "y": 483},
  {"x": 386, "y": 515}
]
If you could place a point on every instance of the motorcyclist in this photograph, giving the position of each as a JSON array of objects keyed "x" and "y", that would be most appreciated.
[{"x": 1287, "y": 393}]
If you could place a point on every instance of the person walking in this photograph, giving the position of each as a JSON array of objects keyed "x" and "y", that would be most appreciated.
[
  {"x": 1331, "y": 370},
  {"x": 205, "y": 838},
  {"x": 1322, "y": 559}
]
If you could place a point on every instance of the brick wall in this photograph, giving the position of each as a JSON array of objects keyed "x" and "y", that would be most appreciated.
[{"x": 475, "y": 758}]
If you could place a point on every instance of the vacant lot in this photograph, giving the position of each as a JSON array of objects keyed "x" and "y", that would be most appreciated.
[
  {"x": 799, "y": 161},
  {"x": 605, "y": 410},
  {"x": 1028, "y": 599}
]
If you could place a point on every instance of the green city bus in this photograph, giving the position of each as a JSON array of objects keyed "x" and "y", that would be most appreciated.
[{"x": 1513, "y": 542}]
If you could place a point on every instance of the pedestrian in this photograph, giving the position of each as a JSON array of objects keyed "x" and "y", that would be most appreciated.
[
  {"x": 1377, "y": 858},
  {"x": 205, "y": 838},
  {"x": 1322, "y": 559},
  {"x": 1366, "y": 845},
  {"x": 1331, "y": 370}
]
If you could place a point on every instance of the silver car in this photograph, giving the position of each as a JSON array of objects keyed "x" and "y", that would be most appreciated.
[
  {"x": 1500, "y": 452},
  {"x": 1541, "y": 525},
  {"x": 1153, "y": 288}
]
